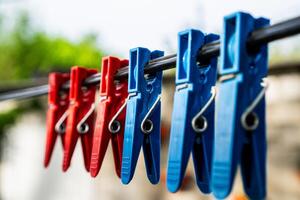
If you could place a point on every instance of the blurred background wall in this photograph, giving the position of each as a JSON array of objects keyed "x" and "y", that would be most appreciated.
[{"x": 37, "y": 37}]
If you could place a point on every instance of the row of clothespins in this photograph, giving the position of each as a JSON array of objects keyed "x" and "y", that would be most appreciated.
[{"x": 221, "y": 132}]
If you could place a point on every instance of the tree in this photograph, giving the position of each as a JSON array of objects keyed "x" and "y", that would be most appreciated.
[{"x": 26, "y": 53}]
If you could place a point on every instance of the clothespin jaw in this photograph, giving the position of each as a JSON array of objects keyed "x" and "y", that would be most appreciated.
[
  {"x": 192, "y": 126},
  {"x": 80, "y": 122},
  {"x": 240, "y": 122},
  {"x": 58, "y": 102},
  {"x": 111, "y": 111},
  {"x": 142, "y": 124}
]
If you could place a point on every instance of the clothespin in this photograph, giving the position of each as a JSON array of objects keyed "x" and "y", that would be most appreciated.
[
  {"x": 192, "y": 126},
  {"x": 240, "y": 121},
  {"x": 80, "y": 122},
  {"x": 58, "y": 102},
  {"x": 142, "y": 124},
  {"x": 110, "y": 120}
]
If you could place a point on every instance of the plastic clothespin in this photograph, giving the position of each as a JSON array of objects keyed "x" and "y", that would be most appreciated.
[
  {"x": 58, "y": 102},
  {"x": 240, "y": 121},
  {"x": 80, "y": 122},
  {"x": 110, "y": 120},
  {"x": 192, "y": 126},
  {"x": 142, "y": 124}
]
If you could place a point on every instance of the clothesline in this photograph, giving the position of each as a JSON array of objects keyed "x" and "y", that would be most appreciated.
[{"x": 260, "y": 36}]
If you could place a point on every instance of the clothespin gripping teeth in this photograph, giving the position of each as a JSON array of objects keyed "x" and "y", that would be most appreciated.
[
  {"x": 240, "y": 127},
  {"x": 111, "y": 115},
  {"x": 142, "y": 125},
  {"x": 192, "y": 126},
  {"x": 80, "y": 121},
  {"x": 58, "y": 102}
]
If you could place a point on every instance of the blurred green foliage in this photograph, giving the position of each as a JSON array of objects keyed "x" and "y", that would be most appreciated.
[{"x": 26, "y": 52}]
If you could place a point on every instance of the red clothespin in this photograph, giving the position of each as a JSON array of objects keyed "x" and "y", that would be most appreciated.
[
  {"x": 58, "y": 102},
  {"x": 111, "y": 115},
  {"x": 80, "y": 122}
]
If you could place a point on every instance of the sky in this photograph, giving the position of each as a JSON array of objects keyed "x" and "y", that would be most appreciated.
[{"x": 154, "y": 24}]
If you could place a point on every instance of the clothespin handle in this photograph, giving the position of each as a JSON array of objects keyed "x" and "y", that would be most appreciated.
[
  {"x": 235, "y": 144},
  {"x": 143, "y": 94},
  {"x": 192, "y": 126},
  {"x": 111, "y": 115},
  {"x": 80, "y": 122},
  {"x": 58, "y": 102},
  {"x": 110, "y": 66}
]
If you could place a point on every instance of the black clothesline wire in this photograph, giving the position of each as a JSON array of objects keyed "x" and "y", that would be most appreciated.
[{"x": 258, "y": 37}]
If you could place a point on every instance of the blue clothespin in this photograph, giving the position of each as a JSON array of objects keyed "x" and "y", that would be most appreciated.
[
  {"x": 142, "y": 124},
  {"x": 192, "y": 128},
  {"x": 240, "y": 122}
]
